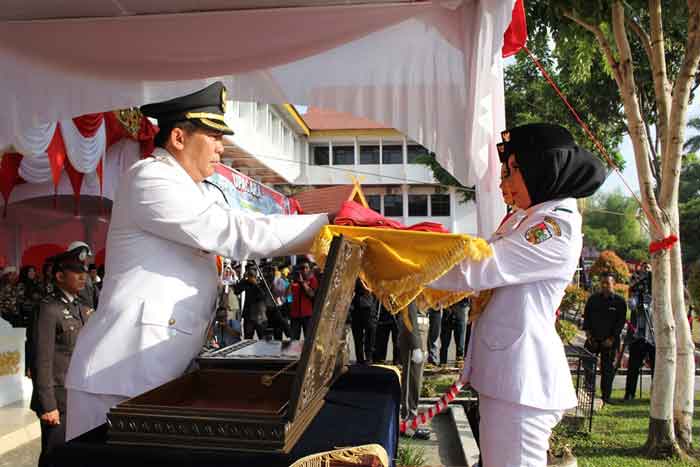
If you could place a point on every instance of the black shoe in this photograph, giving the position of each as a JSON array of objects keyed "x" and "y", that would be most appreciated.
[{"x": 422, "y": 433}]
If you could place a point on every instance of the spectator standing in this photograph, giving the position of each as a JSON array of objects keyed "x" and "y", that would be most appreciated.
[
  {"x": 603, "y": 319},
  {"x": 363, "y": 322},
  {"x": 304, "y": 287},
  {"x": 454, "y": 323},
  {"x": 46, "y": 280},
  {"x": 8, "y": 294},
  {"x": 89, "y": 294},
  {"x": 435, "y": 320},
  {"x": 61, "y": 317},
  {"x": 386, "y": 326},
  {"x": 254, "y": 307},
  {"x": 94, "y": 277},
  {"x": 642, "y": 344},
  {"x": 412, "y": 342}
]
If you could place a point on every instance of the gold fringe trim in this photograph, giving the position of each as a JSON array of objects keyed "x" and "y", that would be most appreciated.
[
  {"x": 373, "y": 455},
  {"x": 395, "y": 268}
]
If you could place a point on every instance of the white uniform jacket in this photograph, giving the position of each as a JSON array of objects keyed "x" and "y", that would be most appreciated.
[
  {"x": 160, "y": 286},
  {"x": 515, "y": 354}
]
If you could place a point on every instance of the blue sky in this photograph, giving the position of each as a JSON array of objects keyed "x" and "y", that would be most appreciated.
[{"x": 614, "y": 183}]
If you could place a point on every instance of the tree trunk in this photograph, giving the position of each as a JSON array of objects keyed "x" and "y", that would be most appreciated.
[
  {"x": 661, "y": 440},
  {"x": 683, "y": 399}
]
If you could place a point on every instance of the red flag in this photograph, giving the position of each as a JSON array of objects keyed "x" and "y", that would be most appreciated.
[{"x": 516, "y": 35}]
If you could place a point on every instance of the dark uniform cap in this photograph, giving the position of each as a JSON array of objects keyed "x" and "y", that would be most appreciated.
[
  {"x": 69, "y": 261},
  {"x": 205, "y": 108},
  {"x": 533, "y": 137}
]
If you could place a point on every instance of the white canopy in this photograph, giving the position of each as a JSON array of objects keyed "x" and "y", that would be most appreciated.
[{"x": 432, "y": 70}]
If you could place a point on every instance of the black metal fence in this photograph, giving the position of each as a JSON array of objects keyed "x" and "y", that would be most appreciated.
[{"x": 582, "y": 364}]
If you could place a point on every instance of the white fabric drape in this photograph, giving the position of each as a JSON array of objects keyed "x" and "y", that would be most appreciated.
[
  {"x": 428, "y": 72},
  {"x": 83, "y": 152},
  {"x": 120, "y": 156},
  {"x": 35, "y": 168},
  {"x": 34, "y": 140}
]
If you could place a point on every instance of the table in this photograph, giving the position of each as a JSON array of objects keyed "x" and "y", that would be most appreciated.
[{"x": 362, "y": 407}]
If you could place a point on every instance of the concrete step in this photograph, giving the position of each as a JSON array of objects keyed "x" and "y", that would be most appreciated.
[{"x": 18, "y": 426}]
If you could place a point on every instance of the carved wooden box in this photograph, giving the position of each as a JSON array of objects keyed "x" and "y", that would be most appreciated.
[{"x": 254, "y": 395}]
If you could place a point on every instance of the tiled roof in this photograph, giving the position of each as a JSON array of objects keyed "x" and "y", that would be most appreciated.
[
  {"x": 322, "y": 200},
  {"x": 323, "y": 119}
]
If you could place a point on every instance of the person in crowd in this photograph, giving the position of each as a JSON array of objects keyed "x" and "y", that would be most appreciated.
[
  {"x": 60, "y": 319},
  {"x": 515, "y": 360},
  {"x": 166, "y": 230},
  {"x": 46, "y": 281},
  {"x": 640, "y": 333},
  {"x": 386, "y": 327},
  {"x": 254, "y": 304},
  {"x": 274, "y": 300},
  {"x": 435, "y": 319},
  {"x": 95, "y": 278},
  {"x": 29, "y": 295},
  {"x": 8, "y": 294},
  {"x": 412, "y": 346},
  {"x": 454, "y": 322},
  {"x": 362, "y": 312},
  {"x": 90, "y": 294},
  {"x": 603, "y": 319},
  {"x": 304, "y": 287}
]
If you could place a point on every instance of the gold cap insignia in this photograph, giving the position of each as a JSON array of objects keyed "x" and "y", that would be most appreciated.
[{"x": 505, "y": 136}]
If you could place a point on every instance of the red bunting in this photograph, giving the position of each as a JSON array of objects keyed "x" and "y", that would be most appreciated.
[
  {"x": 88, "y": 124},
  {"x": 57, "y": 156},
  {"x": 9, "y": 176},
  {"x": 76, "y": 181},
  {"x": 663, "y": 244},
  {"x": 516, "y": 35}
]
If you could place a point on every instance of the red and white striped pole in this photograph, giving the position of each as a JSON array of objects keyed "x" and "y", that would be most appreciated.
[{"x": 422, "y": 418}]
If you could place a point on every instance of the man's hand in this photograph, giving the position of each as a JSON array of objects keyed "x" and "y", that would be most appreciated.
[{"x": 51, "y": 418}]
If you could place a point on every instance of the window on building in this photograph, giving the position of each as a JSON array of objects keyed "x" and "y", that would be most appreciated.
[
  {"x": 418, "y": 205},
  {"x": 392, "y": 154},
  {"x": 375, "y": 202},
  {"x": 393, "y": 205},
  {"x": 260, "y": 118},
  {"x": 343, "y": 155},
  {"x": 440, "y": 205},
  {"x": 320, "y": 155},
  {"x": 413, "y": 152},
  {"x": 369, "y": 154}
]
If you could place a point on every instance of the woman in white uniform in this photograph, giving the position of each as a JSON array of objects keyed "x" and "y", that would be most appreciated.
[{"x": 515, "y": 359}]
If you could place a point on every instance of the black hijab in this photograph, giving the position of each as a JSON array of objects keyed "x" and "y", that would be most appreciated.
[{"x": 552, "y": 164}]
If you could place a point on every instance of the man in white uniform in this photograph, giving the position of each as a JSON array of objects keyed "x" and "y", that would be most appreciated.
[
  {"x": 160, "y": 285},
  {"x": 516, "y": 360}
]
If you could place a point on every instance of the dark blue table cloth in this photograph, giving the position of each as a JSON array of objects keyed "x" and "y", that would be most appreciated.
[{"x": 362, "y": 407}]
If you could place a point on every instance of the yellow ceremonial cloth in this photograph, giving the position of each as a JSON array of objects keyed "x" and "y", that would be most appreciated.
[
  {"x": 367, "y": 455},
  {"x": 398, "y": 264}
]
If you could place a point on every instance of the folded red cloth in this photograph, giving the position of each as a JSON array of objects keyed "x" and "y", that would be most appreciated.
[{"x": 354, "y": 214}]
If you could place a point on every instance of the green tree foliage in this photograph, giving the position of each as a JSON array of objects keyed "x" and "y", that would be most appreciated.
[
  {"x": 611, "y": 222},
  {"x": 689, "y": 208},
  {"x": 445, "y": 178},
  {"x": 530, "y": 98},
  {"x": 609, "y": 263},
  {"x": 694, "y": 285},
  {"x": 692, "y": 144}
]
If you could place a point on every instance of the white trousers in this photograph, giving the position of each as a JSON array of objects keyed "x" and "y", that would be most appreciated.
[
  {"x": 514, "y": 435},
  {"x": 86, "y": 411}
]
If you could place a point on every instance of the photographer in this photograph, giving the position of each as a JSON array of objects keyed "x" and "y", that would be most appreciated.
[
  {"x": 603, "y": 320},
  {"x": 304, "y": 286},
  {"x": 254, "y": 307},
  {"x": 642, "y": 344}
]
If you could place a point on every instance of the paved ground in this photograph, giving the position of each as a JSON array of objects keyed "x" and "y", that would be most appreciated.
[
  {"x": 26, "y": 455},
  {"x": 443, "y": 448}
]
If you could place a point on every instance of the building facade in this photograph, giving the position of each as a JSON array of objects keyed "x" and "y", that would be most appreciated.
[{"x": 295, "y": 151}]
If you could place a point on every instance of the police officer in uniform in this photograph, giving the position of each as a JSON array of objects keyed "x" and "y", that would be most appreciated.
[
  {"x": 61, "y": 317},
  {"x": 515, "y": 359}
]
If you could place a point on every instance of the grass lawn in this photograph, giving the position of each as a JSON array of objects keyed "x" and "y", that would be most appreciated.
[{"x": 619, "y": 432}]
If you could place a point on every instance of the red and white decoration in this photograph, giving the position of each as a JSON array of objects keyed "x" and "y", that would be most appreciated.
[
  {"x": 440, "y": 405},
  {"x": 75, "y": 146}
]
